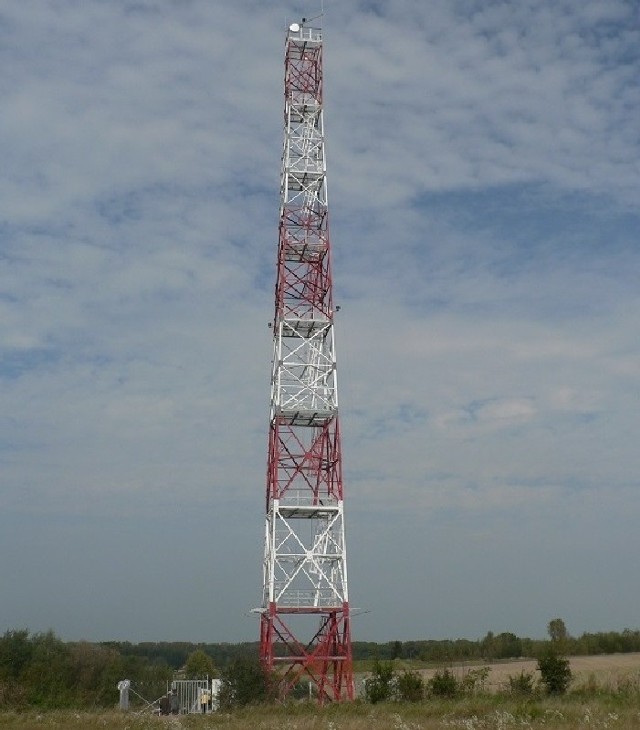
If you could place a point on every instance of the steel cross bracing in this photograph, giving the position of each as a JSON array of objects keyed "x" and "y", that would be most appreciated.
[{"x": 305, "y": 589}]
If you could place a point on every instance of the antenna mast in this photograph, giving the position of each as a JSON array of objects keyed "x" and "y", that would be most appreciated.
[{"x": 305, "y": 619}]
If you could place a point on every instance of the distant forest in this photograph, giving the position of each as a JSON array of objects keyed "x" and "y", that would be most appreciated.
[
  {"x": 39, "y": 669},
  {"x": 492, "y": 647}
]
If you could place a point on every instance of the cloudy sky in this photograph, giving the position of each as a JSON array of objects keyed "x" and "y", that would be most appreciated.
[{"x": 484, "y": 185}]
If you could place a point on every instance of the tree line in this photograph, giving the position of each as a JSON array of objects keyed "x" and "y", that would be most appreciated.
[
  {"x": 491, "y": 647},
  {"x": 40, "y": 669},
  {"x": 494, "y": 647}
]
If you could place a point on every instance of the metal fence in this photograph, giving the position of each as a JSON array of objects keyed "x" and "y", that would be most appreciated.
[{"x": 190, "y": 696}]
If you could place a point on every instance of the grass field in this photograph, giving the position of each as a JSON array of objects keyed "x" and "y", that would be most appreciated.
[{"x": 479, "y": 713}]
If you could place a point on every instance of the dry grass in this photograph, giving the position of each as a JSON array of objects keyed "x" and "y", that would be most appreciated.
[{"x": 477, "y": 713}]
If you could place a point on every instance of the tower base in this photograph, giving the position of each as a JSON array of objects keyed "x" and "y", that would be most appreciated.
[{"x": 324, "y": 661}]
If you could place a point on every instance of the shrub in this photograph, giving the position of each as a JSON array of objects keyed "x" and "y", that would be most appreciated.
[
  {"x": 474, "y": 679},
  {"x": 410, "y": 687},
  {"x": 380, "y": 686},
  {"x": 522, "y": 684},
  {"x": 555, "y": 672},
  {"x": 444, "y": 684}
]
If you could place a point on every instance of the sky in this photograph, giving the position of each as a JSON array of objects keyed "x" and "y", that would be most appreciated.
[{"x": 484, "y": 193}]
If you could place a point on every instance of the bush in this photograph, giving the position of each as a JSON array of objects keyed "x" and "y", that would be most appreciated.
[
  {"x": 444, "y": 684},
  {"x": 555, "y": 672},
  {"x": 522, "y": 684},
  {"x": 410, "y": 687},
  {"x": 381, "y": 685},
  {"x": 474, "y": 679}
]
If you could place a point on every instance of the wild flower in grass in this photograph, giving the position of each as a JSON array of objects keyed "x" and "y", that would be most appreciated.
[
  {"x": 498, "y": 720},
  {"x": 473, "y": 722},
  {"x": 464, "y": 723},
  {"x": 587, "y": 716},
  {"x": 523, "y": 719},
  {"x": 504, "y": 720},
  {"x": 400, "y": 724},
  {"x": 610, "y": 720},
  {"x": 554, "y": 714}
]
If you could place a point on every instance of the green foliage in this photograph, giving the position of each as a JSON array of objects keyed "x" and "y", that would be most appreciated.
[
  {"x": 380, "y": 686},
  {"x": 43, "y": 672},
  {"x": 557, "y": 630},
  {"x": 40, "y": 670},
  {"x": 444, "y": 684},
  {"x": 559, "y": 635},
  {"x": 48, "y": 675},
  {"x": 396, "y": 650},
  {"x": 522, "y": 684},
  {"x": 503, "y": 646},
  {"x": 492, "y": 647},
  {"x": 199, "y": 665},
  {"x": 244, "y": 682},
  {"x": 95, "y": 671},
  {"x": 15, "y": 654},
  {"x": 555, "y": 671},
  {"x": 474, "y": 679},
  {"x": 409, "y": 687}
]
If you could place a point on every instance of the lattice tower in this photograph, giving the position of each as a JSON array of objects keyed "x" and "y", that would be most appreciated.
[{"x": 305, "y": 621}]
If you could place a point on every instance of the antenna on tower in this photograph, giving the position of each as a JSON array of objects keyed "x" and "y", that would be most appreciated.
[
  {"x": 305, "y": 21},
  {"x": 310, "y": 20}
]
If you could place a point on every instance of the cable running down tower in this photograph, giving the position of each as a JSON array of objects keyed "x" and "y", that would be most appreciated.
[{"x": 305, "y": 622}]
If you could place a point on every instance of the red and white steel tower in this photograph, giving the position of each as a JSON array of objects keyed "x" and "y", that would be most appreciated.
[{"x": 305, "y": 620}]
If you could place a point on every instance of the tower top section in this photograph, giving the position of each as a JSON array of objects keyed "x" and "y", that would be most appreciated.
[{"x": 302, "y": 32}]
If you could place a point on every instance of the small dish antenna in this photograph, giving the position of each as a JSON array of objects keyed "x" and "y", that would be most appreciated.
[{"x": 294, "y": 27}]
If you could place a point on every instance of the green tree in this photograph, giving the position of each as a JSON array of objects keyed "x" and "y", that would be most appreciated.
[
  {"x": 488, "y": 646},
  {"x": 555, "y": 671},
  {"x": 48, "y": 676},
  {"x": 509, "y": 646},
  {"x": 199, "y": 665},
  {"x": 244, "y": 682},
  {"x": 90, "y": 673},
  {"x": 16, "y": 650},
  {"x": 557, "y": 630},
  {"x": 396, "y": 650},
  {"x": 380, "y": 686}
]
